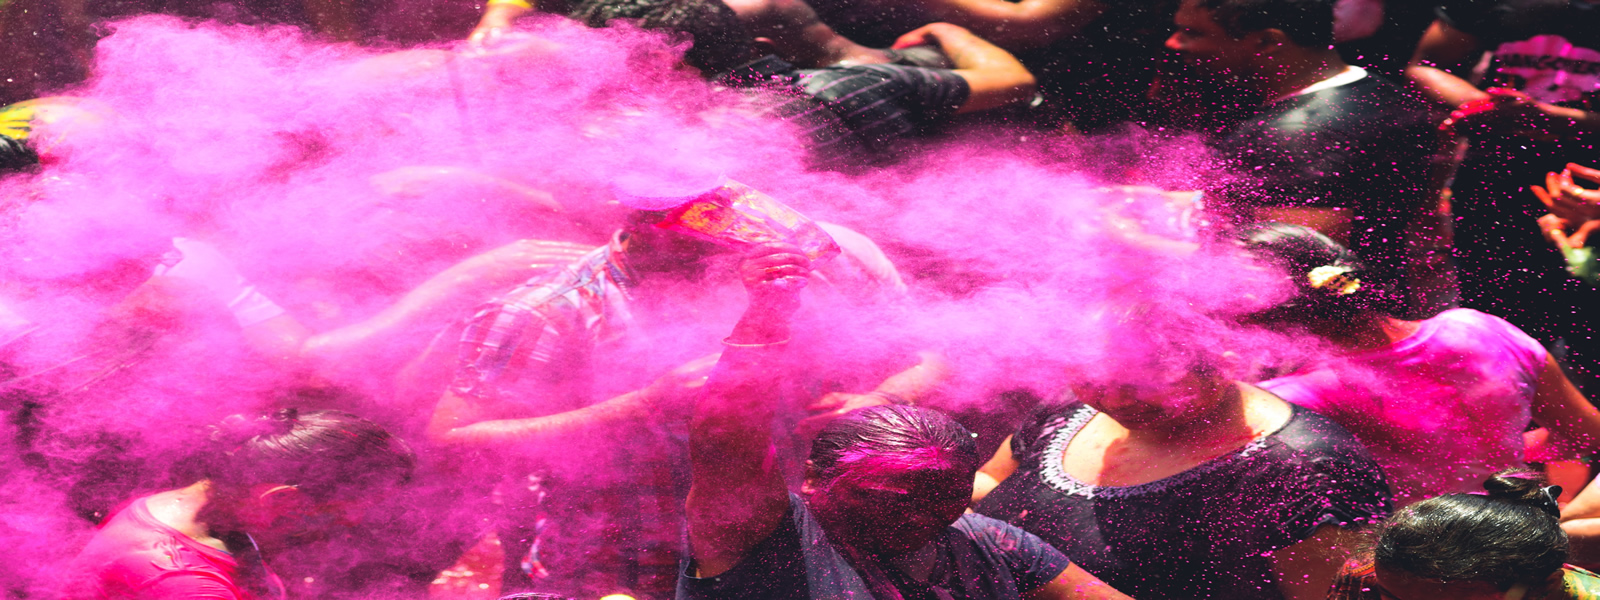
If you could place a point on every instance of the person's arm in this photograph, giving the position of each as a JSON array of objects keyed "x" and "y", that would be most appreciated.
[
  {"x": 498, "y": 15},
  {"x": 999, "y": 467},
  {"x": 1440, "y": 64},
  {"x": 454, "y": 421},
  {"x": 1560, "y": 407},
  {"x": 1307, "y": 569},
  {"x": 906, "y": 387},
  {"x": 1018, "y": 25},
  {"x": 1074, "y": 583},
  {"x": 995, "y": 77},
  {"x": 738, "y": 498}
]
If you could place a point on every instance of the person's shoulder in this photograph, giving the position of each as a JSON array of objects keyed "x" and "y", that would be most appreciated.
[
  {"x": 131, "y": 552},
  {"x": 997, "y": 536},
  {"x": 1311, "y": 438}
]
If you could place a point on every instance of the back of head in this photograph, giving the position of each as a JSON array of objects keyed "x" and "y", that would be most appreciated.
[
  {"x": 907, "y": 437},
  {"x": 720, "y": 41},
  {"x": 1510, "y": 536},
  {"x": 1308, "y": 23},
  {"x": 325, "y": 453},
  {"x": 1327, "y": 277}
]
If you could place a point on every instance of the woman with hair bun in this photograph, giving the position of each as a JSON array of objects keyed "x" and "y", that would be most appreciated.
[
  {"x": 1441, "y": 403},
  {"x": 1506, "y": 545},
  {"x": 269, "y": 483}
]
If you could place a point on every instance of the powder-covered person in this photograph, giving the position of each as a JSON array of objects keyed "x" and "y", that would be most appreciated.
[
  {"x": 1167, "y": 478},
  {"x": 1328, "y": 145},
  {"x": 535, "y": 371},
  {"x": 1441, "y": 403},
  {"x": 850, "y": 114},
  {"x": 269, "y": 483},
  {"x": 885, "y": 490}
]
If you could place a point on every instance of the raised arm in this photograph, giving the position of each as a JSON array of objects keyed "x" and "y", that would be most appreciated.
[
  {"x": 999, "y": 467},
  {"x": 1440, "y": 64},
  {"x": 738, "y": 498},
  {"x": 995, "y": 77}
]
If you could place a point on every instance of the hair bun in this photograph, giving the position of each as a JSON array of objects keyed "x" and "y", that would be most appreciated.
[{"x": 1524, "y": 487}]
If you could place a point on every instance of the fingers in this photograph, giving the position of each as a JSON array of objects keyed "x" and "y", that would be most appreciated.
[
  {"x": 915, "y": 37},
  {"x": 1542, "y": 195},
  {"x": 1554, "y": 229},
  {"x": 1593, "y": 175},
  {"x": 1580, "y": 239}
]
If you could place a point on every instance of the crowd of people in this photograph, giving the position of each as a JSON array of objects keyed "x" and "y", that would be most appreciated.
[{"x": 1345, "y": 352}]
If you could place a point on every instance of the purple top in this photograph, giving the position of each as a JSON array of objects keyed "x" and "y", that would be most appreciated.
[{"x": 1441, "y": 410}]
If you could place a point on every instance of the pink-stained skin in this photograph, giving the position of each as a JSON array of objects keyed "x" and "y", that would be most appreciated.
[{"x": 274, "y": 149}]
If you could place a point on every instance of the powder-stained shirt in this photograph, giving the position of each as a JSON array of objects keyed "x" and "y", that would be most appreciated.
[
  {"x": 1441, "y": 410},
  {"x": 860, "y": 113},
  {"x": 545, "y": 331},
  {"x": 133, "y": 555},
  {"x": 975, "y": 558},
  {"x": 1208, "y": 532}
]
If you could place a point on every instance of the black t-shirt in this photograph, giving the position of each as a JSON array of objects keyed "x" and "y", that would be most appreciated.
[
  {"x": 857, "y": 114},
  {"x": 1364, "y": 146},
  {"x": 1205, "y": 532},
  {"x": 977, "y": 558}
]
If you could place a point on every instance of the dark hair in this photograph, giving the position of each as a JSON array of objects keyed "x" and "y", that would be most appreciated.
[
  {"x": 906, "y": 434},
  {"x": 1308, "y": 23},
  {"x": 1321, "y": 269},
  {"x": 1510, "y": 536},
  {"x": 720, "y": 40},
  {"x": 325, "y": 453}
]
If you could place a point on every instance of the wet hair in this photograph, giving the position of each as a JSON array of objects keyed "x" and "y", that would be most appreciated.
[
  {"x": 325, "y": 453},
  {"x": 1321, "y": 270},
  {"x": 1510, "y": 536},
  {"x": 720, "y": 40},
  {"x": 897, "y": 435},
  {"x": 1308, "y": 23}
]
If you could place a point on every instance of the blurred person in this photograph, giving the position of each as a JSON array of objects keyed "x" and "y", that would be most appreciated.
[
  {"x": 1520, "y": 76},
  {"x": 1441, "y": 403},
  {"x": 1329, "y": 145},
  {"x": 532, "y": 369},
  {"x": 884, "y": 496},
  {"x": 852, "y": 115},
  {"x": 1505, "y": 545},
  {"x": 1573, "y": 217},
  {"x": 269, "y": 483},
  {"x": 1170, "y": 479}
]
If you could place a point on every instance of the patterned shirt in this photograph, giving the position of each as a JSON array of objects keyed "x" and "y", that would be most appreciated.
[
  {"x": 855, "y": 114},
  {"x": 543, "y": 333}
]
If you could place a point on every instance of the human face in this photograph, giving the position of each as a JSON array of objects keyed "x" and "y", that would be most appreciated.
[
  {"x": 1157, "y": 403},
  {"x": 1208, "y": 51},
  {"x": 1403, "y": 586},
  {"x": 889, "y": 511}
]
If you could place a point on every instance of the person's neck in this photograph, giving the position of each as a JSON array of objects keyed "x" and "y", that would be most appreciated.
[
  {"x": 1300, "y": 70},
  {"x": 1367, "y": 331},
  {"x": 187, "y": 510},
  {"x": 1224, "y": 424}
]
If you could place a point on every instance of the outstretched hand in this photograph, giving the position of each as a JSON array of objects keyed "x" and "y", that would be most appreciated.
[{"x": 1506, "y": 112}]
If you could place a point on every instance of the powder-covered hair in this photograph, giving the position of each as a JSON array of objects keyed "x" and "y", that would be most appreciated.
[
  {"x": 325, "y": 453},
  {"x": 1308, "y": 22},
  {"x": 1510, "y": 536},
  {"x": 1330, "y": 282},
  {"x": 905, "y": 436}
]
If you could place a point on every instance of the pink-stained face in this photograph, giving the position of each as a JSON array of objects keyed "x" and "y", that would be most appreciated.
[
  {"x": 1156, "y": 403},
  {"x": 890, "y": 511}
]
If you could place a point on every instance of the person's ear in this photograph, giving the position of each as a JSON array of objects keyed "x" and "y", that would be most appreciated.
[{"x": 809, "y": 486}]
